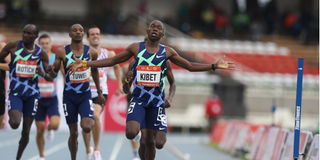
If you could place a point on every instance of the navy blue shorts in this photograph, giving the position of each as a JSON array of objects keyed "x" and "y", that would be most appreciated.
[
  {"x": 149, "y": 117},
  {"x": 27, "y": 105},
  {"x": 47, "y": 106},
  {"x": 74, "y": 104}
]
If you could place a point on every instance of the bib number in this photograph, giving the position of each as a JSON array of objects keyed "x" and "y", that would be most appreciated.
[
  {"x": 26, "y": 68},
  {"x": 46, "y": 88},
  {"x": 80, "y": 76},
  {"x": 148, "y": 76}
]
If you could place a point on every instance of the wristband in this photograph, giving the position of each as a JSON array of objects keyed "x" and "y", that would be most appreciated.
[
  {"x": 212, "y": 67},
  {"x": 84, "y": 63},
  {"x": 99, "y": 91}
]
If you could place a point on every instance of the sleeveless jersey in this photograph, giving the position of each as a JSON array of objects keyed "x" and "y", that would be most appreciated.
[
  {"x": 102, "y": 76},
  {"x": 47, "y": 88},
  {"x": 150, "y": 74},
  {"x": 23, "y": 77},
  {"x": 79, "y": 81}
]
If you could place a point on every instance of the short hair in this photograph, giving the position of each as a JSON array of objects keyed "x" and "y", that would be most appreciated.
[
  {"x": 45, "y": 35},
  {"x": 33, "y": 25},
  {"x": 91, "y": 26}
]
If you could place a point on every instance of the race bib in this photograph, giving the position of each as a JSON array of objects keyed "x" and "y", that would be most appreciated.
[
  {"x": 80, "y": 76},
  {"x": 26, "y": 68},
  {"x": 46, "y": 88},
  {"x": 148, "y": 76},
  {"x": 93, "y": 85}
]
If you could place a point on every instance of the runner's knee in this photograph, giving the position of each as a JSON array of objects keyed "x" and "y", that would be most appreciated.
[
  {"x": 131, "y": 132},
  {"x": 54, "y": 125},
  {"x": 14, "y": 124},
  {"x": 160, "y": 143}
]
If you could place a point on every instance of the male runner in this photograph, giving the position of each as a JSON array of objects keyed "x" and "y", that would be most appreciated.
[
  {"x": 3, "y": 66},
  {"x": 93, "y": 36},
  {"x": 126, "y": 88},
  {"x": 146, "y": 107},
  {"x": 48, "y": 103},
  {"x": 76, "y": 94},
  {"x": 24, "y": 91}
]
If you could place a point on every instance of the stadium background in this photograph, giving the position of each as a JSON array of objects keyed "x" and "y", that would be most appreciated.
[{"x": 263, "y": 37}]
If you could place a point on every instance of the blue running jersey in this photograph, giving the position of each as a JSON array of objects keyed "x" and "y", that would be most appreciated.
[
  {"x": 79, "y": 81},
  {"x": 150, "y": 74},
  {"x": 23, "y": 77}
]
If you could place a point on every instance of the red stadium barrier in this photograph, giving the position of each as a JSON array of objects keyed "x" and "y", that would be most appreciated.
[{"x": 262, "y": 142}]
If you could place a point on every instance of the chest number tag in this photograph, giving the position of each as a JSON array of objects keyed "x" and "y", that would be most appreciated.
[
  {"x": 26, "y": 68},
  {"x": 148, "y": 76},
  {"x": 80, "y": 76}
]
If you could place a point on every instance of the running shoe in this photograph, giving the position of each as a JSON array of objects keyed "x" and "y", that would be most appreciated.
[
  {"x": 90, "y": 155},
  {"x": 97, "y": 155},
  {"x": 50, "y": 135}
]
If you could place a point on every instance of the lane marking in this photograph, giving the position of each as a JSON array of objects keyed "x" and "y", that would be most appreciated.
[
  {"x": 52, "y": 150},
  {"x": 175, "y": 151},
  {"x": 116, "y": 148}
]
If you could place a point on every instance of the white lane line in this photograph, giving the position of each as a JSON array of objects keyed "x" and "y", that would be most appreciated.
[
  {"x": 116, "y": 148},
  {"x": 9, "y": 142},
  {"x": 52, "y": 150},
  {"x": 175, "y": 151}
]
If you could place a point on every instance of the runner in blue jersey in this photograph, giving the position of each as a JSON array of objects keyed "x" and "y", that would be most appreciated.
[
  {"x": 126, "y": 88},
  {"x": 23, "y": 90},
  {"x": 48, "y": 103},
  {"x": 148, "y": 92},
  {"x": 77, "y": 94}
]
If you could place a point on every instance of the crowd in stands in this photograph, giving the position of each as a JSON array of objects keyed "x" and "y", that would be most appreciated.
[{"x": 199, "y": 18}]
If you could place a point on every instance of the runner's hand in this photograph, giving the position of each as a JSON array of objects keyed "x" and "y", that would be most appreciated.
[
  {"x": 167, "y": 103},
  {"x": 39, "y": 71},
  {"x": 222, "y": 64},
  {"x": 101, "y": 99},
  {"x": 119, "y": 91},
  {"x": 75, "y": 65}
]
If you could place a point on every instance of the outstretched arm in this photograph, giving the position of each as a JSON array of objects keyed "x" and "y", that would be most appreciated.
[
  {"x": 194, "y": 67},
  {"x": 121, "y": 57},
  {"x": 172, "y": 89}
]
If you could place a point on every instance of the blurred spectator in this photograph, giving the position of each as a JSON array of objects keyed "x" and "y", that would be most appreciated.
[
  {"x": 240, "y": 23},
  {"x": 3, "y": 10},
  {"x": 142, "y": 8},
  {"x": 291, "y": 24}
]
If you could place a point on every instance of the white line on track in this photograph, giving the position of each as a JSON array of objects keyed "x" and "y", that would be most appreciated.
[
  {"x": 174, "y": 150},
  {"x": 52, "y": 150},
  {"x": 116, "y": 148}
]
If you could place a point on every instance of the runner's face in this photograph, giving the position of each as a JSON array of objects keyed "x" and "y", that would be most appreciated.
[
  {"x": 45, "y": 43},
  {"x": 29, "y": 34},
  {"x": 76, "y": 32},
  {"x": 94, "y": 36},
  {"x": 155, "y": 31}
]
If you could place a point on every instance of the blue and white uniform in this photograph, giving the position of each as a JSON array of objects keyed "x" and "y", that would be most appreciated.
[
  {"x": 147, "y": 103},
  {"x": 23, "y": 90},
  {"x": 77, "y": 94},
  {"x": 48, "y": 103}
]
